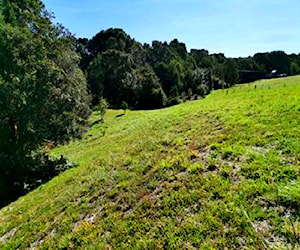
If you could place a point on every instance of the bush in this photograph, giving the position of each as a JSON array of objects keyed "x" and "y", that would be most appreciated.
[
  {"x": 23, "y": 174},
  {"x": 102, "y": 108},
  {"x": 124, "y": 106}
]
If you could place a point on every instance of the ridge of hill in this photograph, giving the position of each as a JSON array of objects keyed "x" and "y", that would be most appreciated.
[{"x": 221, "y": 172}]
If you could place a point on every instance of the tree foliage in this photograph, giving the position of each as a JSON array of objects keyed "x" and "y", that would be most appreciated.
[
  {"x": 150, "y": 94},
  {"x": 43, "y": 93},
  {"x": 117, "y": 67},
  {"x": 144, "y": 76}
]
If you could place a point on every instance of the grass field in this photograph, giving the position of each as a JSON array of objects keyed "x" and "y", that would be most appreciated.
[{"x": 222, "y": 172}]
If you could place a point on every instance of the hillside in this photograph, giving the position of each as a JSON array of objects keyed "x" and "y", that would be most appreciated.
[{"x": 214, "y": 173}]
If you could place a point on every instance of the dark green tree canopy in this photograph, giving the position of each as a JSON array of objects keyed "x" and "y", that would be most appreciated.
[
  {"x": 112, "y": 76},
  {"x": 181, "y": 74},
  {"x": 179, "y": 47},
  {"x": 231, "y": 72},
  {"x": 112, "y": 38},
  {"x": 117, "y": 68},
  {"x": 276, "y": 60},
  {"x": 43, "y": 93}
]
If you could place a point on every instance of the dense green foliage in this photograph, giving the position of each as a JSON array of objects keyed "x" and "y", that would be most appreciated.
[
  {"x": 43, "y": 93},
  {"x": 218, "y": 173},
  {"x": 163, "y": 74},
  {"x": 120, "y": 69}
]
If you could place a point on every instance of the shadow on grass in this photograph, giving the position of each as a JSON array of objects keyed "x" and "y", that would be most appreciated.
[
  {"x": 120, "y": 115},
  {"x": 18, "y": 176},
  {"x": 97, "y": 122}
]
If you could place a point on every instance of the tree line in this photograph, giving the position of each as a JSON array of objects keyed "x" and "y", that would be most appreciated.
[
  {"x": 50, "y": 81},
  {"x": 121, "y": 69}
]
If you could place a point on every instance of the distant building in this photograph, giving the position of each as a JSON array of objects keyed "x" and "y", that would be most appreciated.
[{"x": 274, "y": 74}]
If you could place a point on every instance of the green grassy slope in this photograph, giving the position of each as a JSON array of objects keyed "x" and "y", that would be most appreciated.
[{"x": 214, "y": 173}]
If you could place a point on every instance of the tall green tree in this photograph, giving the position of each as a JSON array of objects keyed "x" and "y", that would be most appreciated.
[
  {"x": 111, "y": 75},
  {"x": 179, "y": 47},
  {"x": 231, "y": 72},
  {"x": 43, "y": 93},
  {"x": 112, "y": 38},
  {"x": 295, "y": 68},
  {"x": 275, "y": 60},
  {"x": 150, "y": 94}
]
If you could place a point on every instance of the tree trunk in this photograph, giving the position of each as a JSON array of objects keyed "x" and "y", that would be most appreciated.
[{"x": 14, "y": 128}]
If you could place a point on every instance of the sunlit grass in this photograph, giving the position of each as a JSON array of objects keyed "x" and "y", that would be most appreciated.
[{"x": 214, "y": 173}]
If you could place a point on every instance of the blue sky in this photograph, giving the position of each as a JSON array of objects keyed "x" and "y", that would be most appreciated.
[{"x": 234, "y": 27}]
